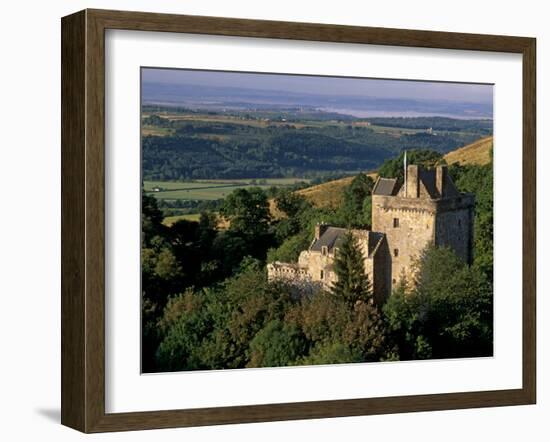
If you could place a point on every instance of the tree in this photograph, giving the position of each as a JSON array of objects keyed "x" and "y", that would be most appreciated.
[
  {"x": 247, "y": 211},
  {"x": 479, "y": 180},
  {"x": 277, "y": 344},
  {"x": 290, "y": 249},
  {"x": 352, "y": 284},
  {"x": 355, "y": 195},
  {"x": 179, "y": 348},
  {"x": 393, "y": 168},
  {"x": 332, "y": 353},
  {"x": 449, "y": 313},
  {"x": 151, "y": 219},
  {"x": 291, "y": 203}
]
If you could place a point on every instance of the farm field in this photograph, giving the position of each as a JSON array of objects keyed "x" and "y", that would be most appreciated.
[
  {"x": 205, "y": 118},
  {"x": 395, "y": 131},
  {"x": 155, "y": 130},
  {"x": 210, "y": 189},
  {"x": 263, "y": 123}
]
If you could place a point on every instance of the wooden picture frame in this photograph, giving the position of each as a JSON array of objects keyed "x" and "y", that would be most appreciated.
[{"x": 83, "y": 220}]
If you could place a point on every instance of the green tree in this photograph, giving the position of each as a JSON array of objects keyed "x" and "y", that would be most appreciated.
[
  {"x": 448, "y": 314},
  {"x": 393, "y": 168},
  {"x": 291, "y": 248},
  {"x": 352, "y": 283},
  {"x": 332, "y": 353},
  {"x": 277, "y": 344},
  {"x": 179, "y": 349},
  {"x": 151, "y": 219},
  {"x": 365, "y": 333},
  {"x": 352, "y": 211},
  {"x": 367, "y": 211},
  {"x": 247, "y": 211},
  {"x": 291, "y": 203},
  {"x": 479, "y": 181}
]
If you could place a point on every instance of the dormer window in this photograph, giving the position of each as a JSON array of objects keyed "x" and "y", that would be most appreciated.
[{"x": 324, "y": 250}]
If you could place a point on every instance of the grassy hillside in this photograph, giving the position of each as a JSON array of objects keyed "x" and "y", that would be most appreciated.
[
  {"x": 478, "y": 152},
  {"x": 330, "y": 194},
  {"x": 326, "y": 194}
]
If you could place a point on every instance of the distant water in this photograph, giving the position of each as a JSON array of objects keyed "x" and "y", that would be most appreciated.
[
  {"x": 378, "y": 113},
  {"x": 216, "y": 98}
]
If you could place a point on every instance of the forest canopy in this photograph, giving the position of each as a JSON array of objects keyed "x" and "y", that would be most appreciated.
[
  {"x": 207, "y": 304},
  {"x": 225, "y": 147}
]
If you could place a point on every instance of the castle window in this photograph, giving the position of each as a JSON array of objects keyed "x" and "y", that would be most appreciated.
[
  {"x": 322, "y": 274},
  {"x": 324, "y": 250},
  {"x": 459, "y": 222},
  {"x": 393, "y": 281},
  {"x": 396, "y": 252},
  {"x": 396, "y": 222}
]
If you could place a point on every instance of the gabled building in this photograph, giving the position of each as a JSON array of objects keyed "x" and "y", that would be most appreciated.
[{"x": 426, "y": 209}]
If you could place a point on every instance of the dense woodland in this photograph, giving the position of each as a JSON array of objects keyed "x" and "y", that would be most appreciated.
[
  {"x": 207, "y": 303},
  {"x": 224, "y": 149}
]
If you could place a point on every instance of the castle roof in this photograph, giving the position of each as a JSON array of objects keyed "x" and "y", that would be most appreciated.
[
  {"x": 421, "y": 183},
  {"x": 428, "y": 186},
  {"x": 385, "y": 186},
  {"x": 331, "y": 238},
  {"x": 427, "y": 178}
]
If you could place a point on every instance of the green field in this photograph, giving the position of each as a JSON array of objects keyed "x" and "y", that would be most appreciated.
[
  {"x": 209, "y": 189},
  {"x": 397, "y": 131},
  {"x": 158, "y": 131}
]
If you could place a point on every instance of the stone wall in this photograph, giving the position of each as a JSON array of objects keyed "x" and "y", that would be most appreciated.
[
  {"x": 415, "y": 229},
  {"x": 455, "y": 229},
  {"x": 321, "y": 267},
  {"x": 411, "y": 224},
  {"x": 380, "y": 272},
  {"x": 317, "y": 268},
  {"x": 286, "y": 271}
]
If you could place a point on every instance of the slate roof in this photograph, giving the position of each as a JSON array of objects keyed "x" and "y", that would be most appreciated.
[
  {"x": 331, "y": 238},
  {"x": 427, "y": 182},
  {"x": 427, "y": 177},
  {"x": 385, "y": 186}
]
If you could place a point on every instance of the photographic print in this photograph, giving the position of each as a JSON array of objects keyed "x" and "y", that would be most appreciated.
[{"x": 295, "y": 220}]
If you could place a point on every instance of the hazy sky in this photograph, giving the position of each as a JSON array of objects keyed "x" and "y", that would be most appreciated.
[{"x": 457, "y": 92}]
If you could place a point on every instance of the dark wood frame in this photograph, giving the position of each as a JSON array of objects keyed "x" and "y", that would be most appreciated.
[{"x": 83, "y": 216}]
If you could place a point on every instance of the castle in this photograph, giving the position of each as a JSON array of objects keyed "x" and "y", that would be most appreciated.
[{"x": 426, "y": 209}]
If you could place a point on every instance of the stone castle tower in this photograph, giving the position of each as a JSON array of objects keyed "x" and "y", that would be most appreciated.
[{"x": 427, "y": 209}]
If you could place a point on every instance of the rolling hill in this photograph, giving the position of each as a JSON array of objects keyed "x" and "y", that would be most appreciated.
[
  {"x": 329, "y": 194},
  {"x": 479, "y": 152}
]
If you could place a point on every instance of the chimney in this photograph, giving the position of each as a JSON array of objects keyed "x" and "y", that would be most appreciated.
[
  {"x": 320, "y": 228},
  {"x": 440, "y": 178},
  {"x": 412, "y": 181}
]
